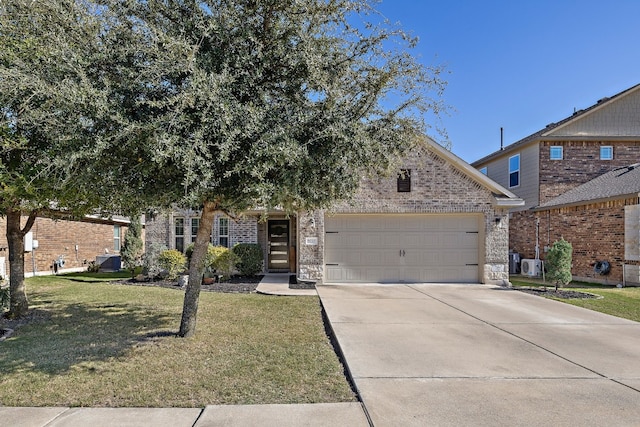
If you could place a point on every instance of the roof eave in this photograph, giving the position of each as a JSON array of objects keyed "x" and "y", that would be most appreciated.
[
  {"x": 472, "y": 172},
  {"x": 585, "y": 202},
  {"x": 504, "y": 202}
]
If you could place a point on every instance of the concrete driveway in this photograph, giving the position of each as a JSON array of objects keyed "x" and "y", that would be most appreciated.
[{"x": 459, "y": 355}]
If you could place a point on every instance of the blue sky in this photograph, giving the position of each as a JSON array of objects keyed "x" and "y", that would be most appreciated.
[{"x": 520, "y": 64}]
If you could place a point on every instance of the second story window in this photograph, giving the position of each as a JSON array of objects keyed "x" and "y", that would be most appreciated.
[
  {"x": 179, "y": 234},
  {"x": 606, "y": 152},
  {"x": 223, "y": 232},
  {"x": 404, "y": 181},
  {"x": 514, "y": 171},
  {"x": 555, "y": 152}
]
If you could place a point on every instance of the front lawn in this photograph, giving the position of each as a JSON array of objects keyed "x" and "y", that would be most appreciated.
[
  {"x": 91, "y": 343},
  {"x": 620, "y": 302}
]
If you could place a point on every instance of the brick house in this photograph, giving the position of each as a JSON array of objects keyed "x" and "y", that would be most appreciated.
[
  {"x": 75, "y": 242},
  {"x": 560, "y": 158},
  {"x": 438, "y": 220}
]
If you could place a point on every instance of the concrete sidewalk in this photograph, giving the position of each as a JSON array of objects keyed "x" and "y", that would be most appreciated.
[
  {"x": 278, "y": 284},
  {"x": 311, "y": 415},
  {"x": 479, "y": 355}
]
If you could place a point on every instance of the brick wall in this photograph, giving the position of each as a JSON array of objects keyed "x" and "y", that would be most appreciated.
[
  {"x": 59, "y": 238},
  {"x": 160, "y": 228},
  {"x": 596, "y": 232},
  {"x": 581, "y": 163}
]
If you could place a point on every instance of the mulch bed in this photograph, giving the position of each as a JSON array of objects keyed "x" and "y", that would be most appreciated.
[
  {"x": 560, "y": 293},
  {"x": 234, "y": 285}
]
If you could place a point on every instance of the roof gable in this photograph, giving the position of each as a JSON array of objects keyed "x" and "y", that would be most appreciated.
[
  {"x": 503, "y": 196},
  {"x": 617, "y": 116}
]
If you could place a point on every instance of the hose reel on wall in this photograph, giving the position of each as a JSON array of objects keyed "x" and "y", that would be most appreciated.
[{"x": 602, "y": 267}]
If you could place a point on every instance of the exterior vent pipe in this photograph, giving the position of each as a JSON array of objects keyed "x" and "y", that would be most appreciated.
[{"x": 501, "y": 138}]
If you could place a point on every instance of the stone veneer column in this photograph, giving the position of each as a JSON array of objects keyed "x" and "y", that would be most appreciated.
[
  {"x": 311, "y": 245},
  {"x": 496, "y": 266}
]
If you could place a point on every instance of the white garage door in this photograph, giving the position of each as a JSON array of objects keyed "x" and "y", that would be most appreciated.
[{"x": 402, "y": 248}]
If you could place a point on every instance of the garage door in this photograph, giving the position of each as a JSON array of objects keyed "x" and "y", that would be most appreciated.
[{"x": 402, "y": 248}]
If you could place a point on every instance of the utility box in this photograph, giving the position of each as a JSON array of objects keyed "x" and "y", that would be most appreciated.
[
  {"x": 514, "y": 263},
  {"x": 109, "y": 263}
]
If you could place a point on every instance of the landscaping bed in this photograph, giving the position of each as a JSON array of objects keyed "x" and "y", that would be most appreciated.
[
  {"x": 560, "y": 293},
  {"x": 233, "y": 285}
]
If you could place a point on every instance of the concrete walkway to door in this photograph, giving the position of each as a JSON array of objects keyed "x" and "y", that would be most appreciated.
[{"x": 458, "y": 355}]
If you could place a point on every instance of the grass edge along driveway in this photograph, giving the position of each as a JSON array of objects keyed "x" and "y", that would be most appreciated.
[
  {"x": 91, "y": 343},
  {"x": 620, "y": 302}
]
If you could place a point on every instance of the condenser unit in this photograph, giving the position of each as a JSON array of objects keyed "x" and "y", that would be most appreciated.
[{"x": 531, "y": 267}]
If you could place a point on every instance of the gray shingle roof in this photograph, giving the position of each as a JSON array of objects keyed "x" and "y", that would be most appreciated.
[{"x": 619, "y": 182}]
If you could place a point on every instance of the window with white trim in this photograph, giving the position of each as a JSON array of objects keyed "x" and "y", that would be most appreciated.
[
  {"x": 514, "y": 171},
  {"x": 116, "y": 238},
  {"x": 555, "y": 152},
  {"x": 195, "y": 225},
  {"x": 179, "y": 233},
  {"x": 606, "y": 152},
  {"x": 223, "y": 231}
]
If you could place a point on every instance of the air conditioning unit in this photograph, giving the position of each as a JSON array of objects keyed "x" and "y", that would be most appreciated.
[{"x": 531, "y": 267}]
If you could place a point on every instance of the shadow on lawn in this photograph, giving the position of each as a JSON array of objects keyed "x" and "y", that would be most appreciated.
[{"x": 54, "y": 341}]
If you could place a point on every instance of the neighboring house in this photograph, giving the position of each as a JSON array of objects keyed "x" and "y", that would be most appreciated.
[
  {"x": 438, "y": 220},
  {"x": 601, "y": 219},
  {"x": 64, "y": 245},
  {"x": 559, "y": 158}
]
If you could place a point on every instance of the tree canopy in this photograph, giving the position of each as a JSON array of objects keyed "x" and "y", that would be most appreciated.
[
  {"x": 47, "y": 99},
  {"x": 274, "y": 103},
  {"x": 217, "y": 104}
]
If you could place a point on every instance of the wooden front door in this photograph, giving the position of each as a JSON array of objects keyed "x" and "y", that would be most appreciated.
[{"x": 278, "y": 243}]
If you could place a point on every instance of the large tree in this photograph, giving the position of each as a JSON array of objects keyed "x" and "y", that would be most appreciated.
[
  {"x": 46, "y": 98},
  {"x": 274, "y": 103}
]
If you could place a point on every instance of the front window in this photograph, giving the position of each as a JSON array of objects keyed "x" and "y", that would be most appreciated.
[
  {"x": 223, "y": 232},
  {"x": 555, "y": 153},
  {"x": 514, "y": 171},
  {"x": 606, "y": 153},
  {"x": 116, "y": 238},
  {"x": 179, "y": 233},
  {"x": 195, "y": 225}
]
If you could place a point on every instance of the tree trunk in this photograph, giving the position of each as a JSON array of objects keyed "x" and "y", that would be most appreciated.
[
  {"x": 18, "y": 304},
  {"x": 196, "y": 271}
]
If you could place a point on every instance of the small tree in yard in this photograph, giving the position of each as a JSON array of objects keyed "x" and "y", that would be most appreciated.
[
  {"x": 558, "y": 262},
  {"x": 132, "y": 247}
]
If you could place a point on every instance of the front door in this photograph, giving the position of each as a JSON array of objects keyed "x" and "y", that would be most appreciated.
[{"x": 278, "y": 243}]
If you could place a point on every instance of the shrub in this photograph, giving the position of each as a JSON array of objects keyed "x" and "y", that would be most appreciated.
[
  {"x": 173, "y": 261},
  {"x": 225, "y": 261},
  {"x": 250, "y": 258},
  {"x": 558, "y": 262},
  {"x": 4, "y": 298},
  {"x": 151, "y": 267},
  {"x": 132, "y": 249}
]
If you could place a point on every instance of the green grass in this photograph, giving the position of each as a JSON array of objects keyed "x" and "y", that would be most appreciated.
[
  {"x": 91, "y": 343},
  {"x": 620, "y": 302}
]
